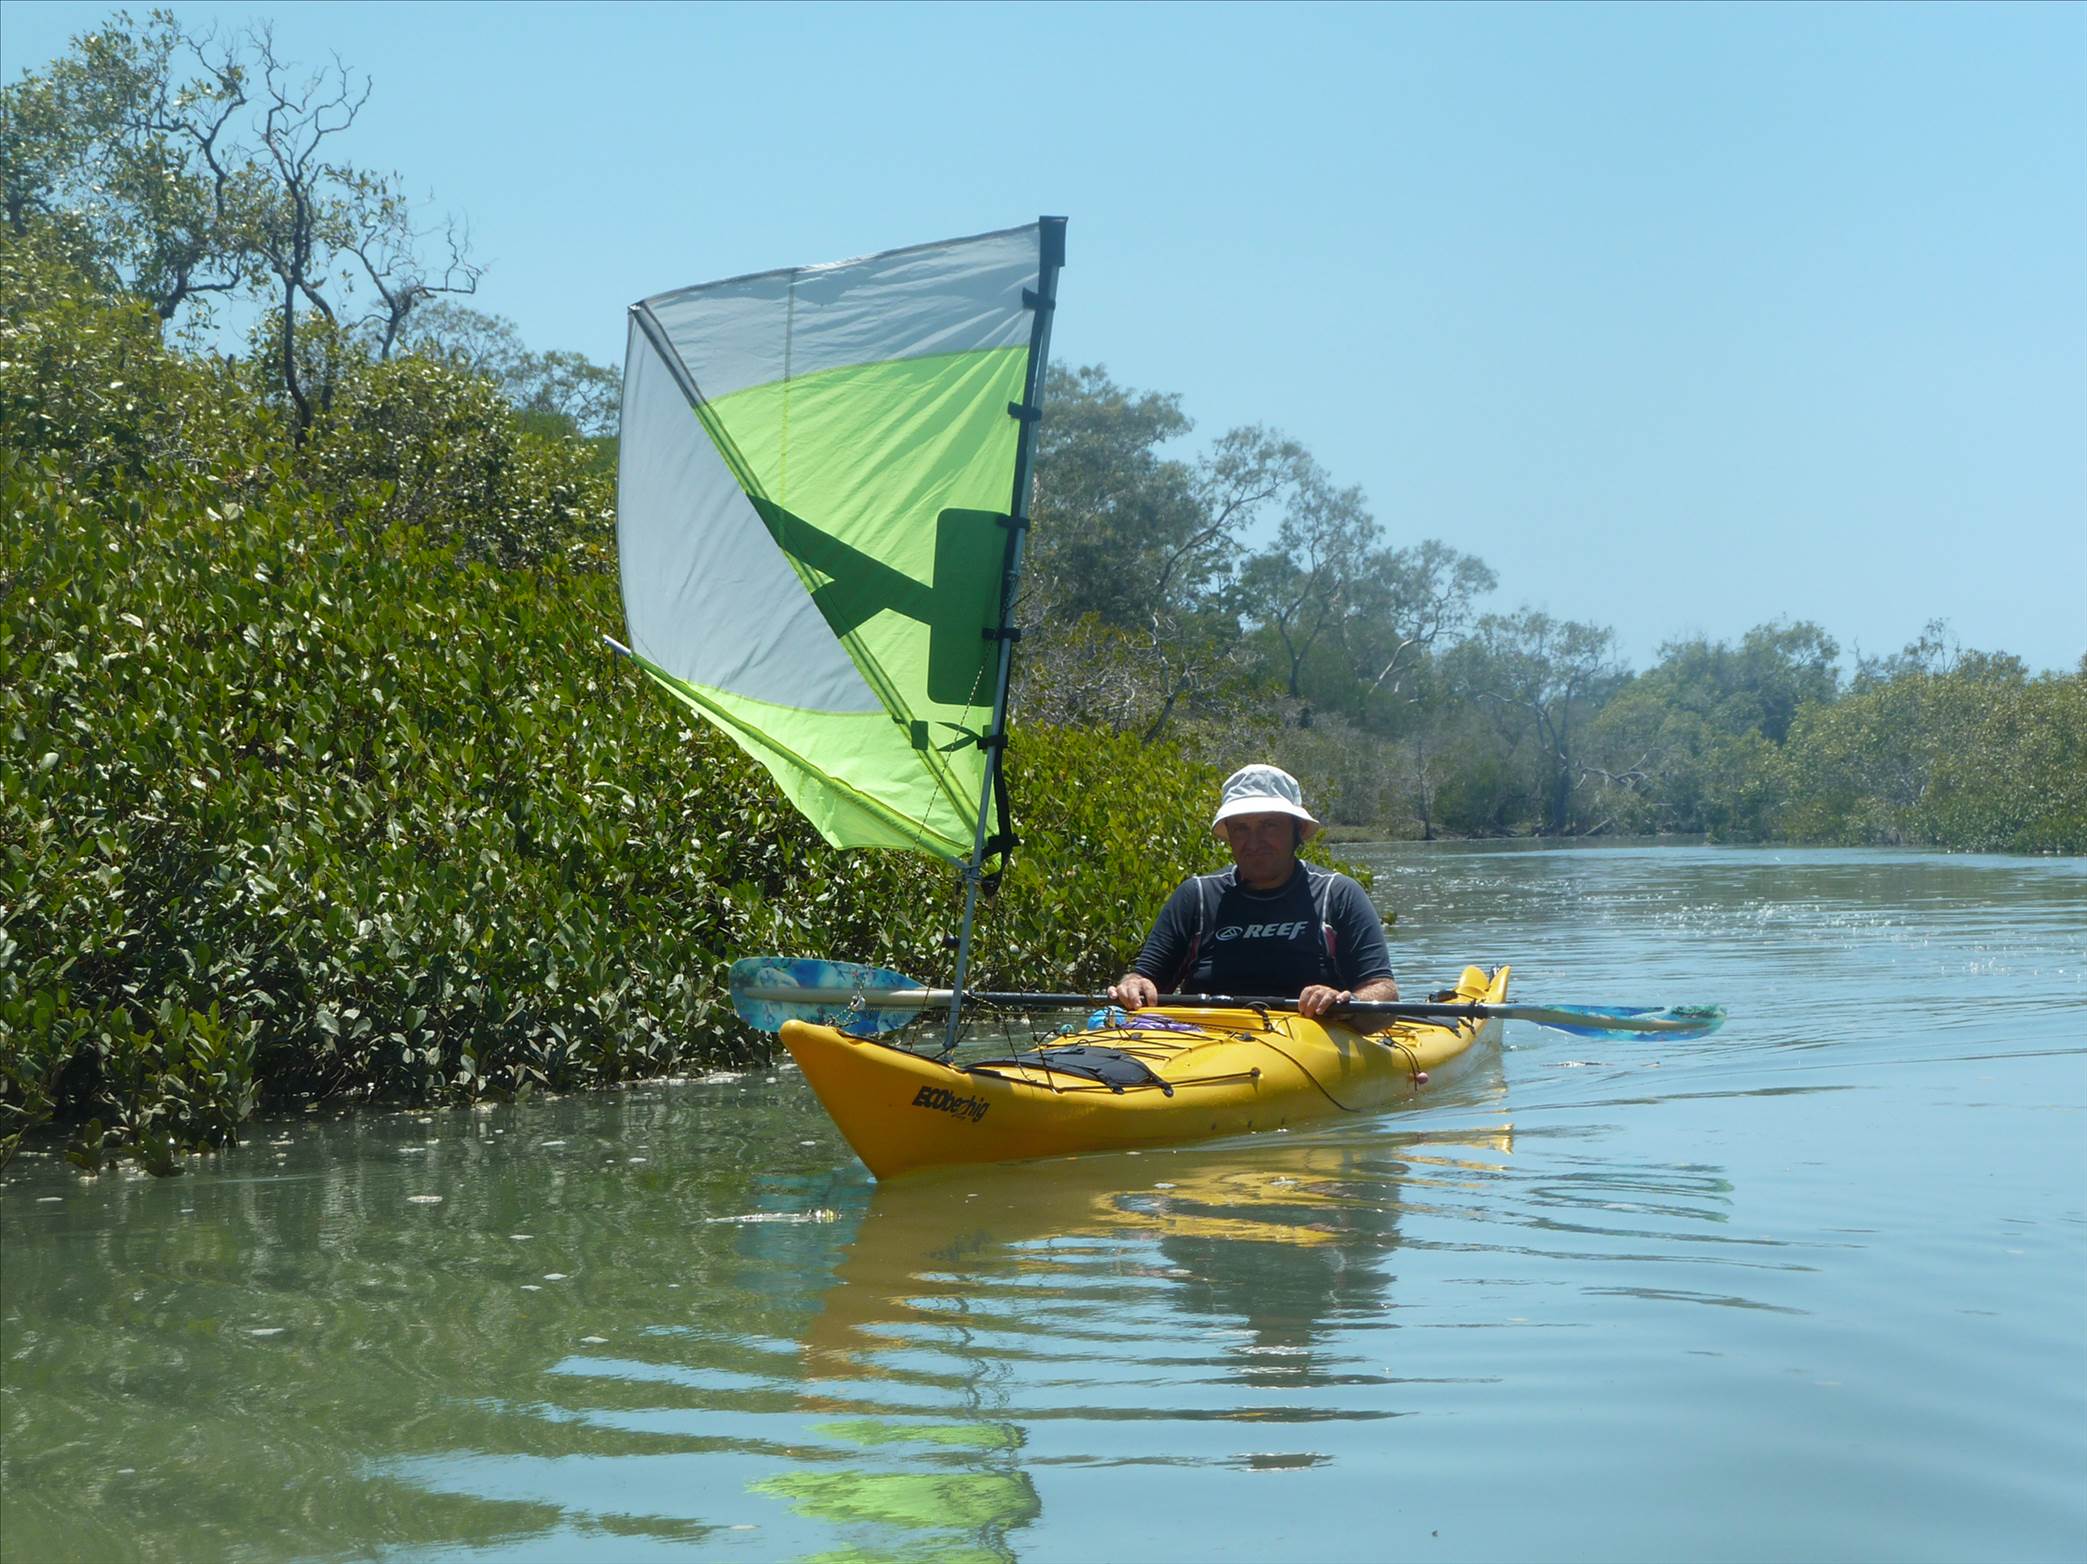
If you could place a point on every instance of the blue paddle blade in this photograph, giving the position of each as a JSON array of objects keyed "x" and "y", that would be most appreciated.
[
  {"x": 753, "y": 973},
  {"x": 1680, "y": 1023}
]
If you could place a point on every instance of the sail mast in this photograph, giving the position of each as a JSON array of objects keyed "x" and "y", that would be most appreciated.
[{"x": 1042, "y": 304}]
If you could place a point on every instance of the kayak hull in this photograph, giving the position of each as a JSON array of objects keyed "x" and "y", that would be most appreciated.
[{"x": 1213, "y": 1073}]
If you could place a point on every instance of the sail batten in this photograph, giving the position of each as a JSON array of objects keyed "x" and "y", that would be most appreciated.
[{"x": 812, "y": 495}]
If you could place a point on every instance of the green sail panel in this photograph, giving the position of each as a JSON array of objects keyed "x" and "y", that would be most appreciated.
[{"x": 814, "y": 465}]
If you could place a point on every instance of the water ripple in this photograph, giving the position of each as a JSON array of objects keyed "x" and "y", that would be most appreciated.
[{"x": 1834, "y": 1245}]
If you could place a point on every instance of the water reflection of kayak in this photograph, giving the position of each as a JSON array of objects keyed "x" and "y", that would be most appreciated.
[
  {"x": 1205, "y": 1223},
  {"x": 1165, "y": 1076}
]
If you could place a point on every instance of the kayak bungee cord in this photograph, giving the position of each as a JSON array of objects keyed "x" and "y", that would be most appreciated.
[{"x": 1420, "y": 1076}]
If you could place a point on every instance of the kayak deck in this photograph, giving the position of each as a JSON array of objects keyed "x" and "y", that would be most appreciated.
[{"x": 1168, "y": 1074}]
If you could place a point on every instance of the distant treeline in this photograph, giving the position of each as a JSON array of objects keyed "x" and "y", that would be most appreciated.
[
  {"x": 1366, "y": 666},
  {"x": 314, "y": 782}
]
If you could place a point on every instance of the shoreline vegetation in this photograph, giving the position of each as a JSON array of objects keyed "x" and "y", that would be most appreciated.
[{"x": 316, "y": 785}]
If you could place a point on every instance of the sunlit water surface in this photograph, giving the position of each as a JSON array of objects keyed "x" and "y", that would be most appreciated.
[{"x": 1815, "y": 1288}]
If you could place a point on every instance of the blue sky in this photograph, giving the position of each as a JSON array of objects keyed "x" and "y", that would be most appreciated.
[{"x": 1684, "y": 319}]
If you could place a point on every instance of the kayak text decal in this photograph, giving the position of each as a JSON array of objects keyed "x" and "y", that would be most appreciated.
[{"x": 943, "y": 1100}]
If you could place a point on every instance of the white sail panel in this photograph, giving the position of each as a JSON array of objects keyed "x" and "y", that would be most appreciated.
[{"x": 708, "y": 596}]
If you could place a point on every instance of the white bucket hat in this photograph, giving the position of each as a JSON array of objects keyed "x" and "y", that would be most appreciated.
[{"x": 1262, "y": 790}]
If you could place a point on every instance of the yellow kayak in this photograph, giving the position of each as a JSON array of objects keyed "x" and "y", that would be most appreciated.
[{"x": 1169, "y": 1074}]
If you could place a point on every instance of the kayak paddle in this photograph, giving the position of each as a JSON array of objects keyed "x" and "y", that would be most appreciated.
[{"x": 866, "y": 1001}]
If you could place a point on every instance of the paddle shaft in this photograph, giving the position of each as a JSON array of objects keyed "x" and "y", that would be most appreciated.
[{"x": 1388, "y": 1009}]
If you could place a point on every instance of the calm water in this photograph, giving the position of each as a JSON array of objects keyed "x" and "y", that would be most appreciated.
[{"x": 1813, "y": 1289}]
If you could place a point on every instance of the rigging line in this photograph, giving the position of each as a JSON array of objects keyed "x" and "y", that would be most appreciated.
[
  {"x": 1301, "y": 1070},
  {"x": 1412, "y": 1065},
  {"x": 1049, "y": 1081},
  {"x": 943, "y": 797},
  {"x": 956, "y": 242},
  {"x": 782, "y": 454}
]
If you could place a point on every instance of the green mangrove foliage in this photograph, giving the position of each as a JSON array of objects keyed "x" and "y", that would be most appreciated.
[
  {"x": 1976, "y": 755},
  {"x": 291, "y": 809},
  {"x": 316, "y": 781}
]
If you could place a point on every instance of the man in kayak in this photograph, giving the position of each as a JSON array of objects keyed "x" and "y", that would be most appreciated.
[{"x": 1269, "y": 924}]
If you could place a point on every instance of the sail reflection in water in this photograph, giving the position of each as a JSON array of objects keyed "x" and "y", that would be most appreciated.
[
  {"x": 977, "y": 1330},
  {"x": 1062, "y": 1305}
]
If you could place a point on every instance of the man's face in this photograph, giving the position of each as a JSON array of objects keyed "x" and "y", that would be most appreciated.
[{"x": 1264, "y": 846}]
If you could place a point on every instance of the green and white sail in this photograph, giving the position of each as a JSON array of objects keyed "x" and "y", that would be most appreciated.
[{"x": 817, "y": 471}]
